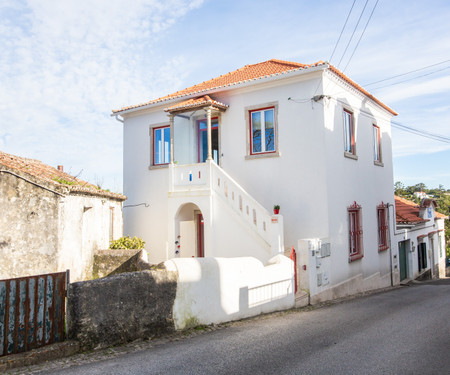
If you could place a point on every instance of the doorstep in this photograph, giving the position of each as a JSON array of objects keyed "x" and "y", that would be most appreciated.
[
  {"x": 301, "y": 299},
  {"x": 42, "y": 354}
]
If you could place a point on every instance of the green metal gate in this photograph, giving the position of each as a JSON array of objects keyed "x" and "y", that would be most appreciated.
[
  {"x": 32, "y": 311},
  {"x": 403, "y": 260}
]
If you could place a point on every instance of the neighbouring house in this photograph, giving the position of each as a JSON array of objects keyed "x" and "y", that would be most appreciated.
[
  {"x": 420, "y": 234},
  {"x": 421, "y": 194},
  {"x": 205, "y": 165},
  {"x": 51, "y": 221}
]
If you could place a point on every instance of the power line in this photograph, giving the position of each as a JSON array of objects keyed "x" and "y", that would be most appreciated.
[
  {"x": 422, "y": 133},
  {"x": 404, "y": 74},
  {"x": 342, "y": 31},
  {"x": 365, "y": 27},
  {"x": 353, "y": 33},
  {"x": 410, "y": 79}
]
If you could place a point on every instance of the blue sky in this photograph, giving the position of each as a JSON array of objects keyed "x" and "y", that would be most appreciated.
[{"x": 66, "y": 64}]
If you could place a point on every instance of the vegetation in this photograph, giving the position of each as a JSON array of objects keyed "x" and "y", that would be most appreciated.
[
  {"x": 62, "y": 181},
  {"x": 440, "y": 195},
  {"x": 127, "y": 243}
]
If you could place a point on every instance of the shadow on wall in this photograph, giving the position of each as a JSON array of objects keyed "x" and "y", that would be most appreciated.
[{"x": 216, "y": 290}]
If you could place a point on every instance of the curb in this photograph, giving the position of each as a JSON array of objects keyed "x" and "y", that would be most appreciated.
[{"x": 35, "y": 356}]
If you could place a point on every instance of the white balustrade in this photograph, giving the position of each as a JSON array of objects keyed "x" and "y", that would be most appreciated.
[{"x": 190, "y": 176}]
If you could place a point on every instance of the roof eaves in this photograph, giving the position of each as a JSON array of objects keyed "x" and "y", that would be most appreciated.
[{"x": 243, "y": 83}]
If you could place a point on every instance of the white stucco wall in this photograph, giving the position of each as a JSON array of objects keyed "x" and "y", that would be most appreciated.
[
  {"x": 84, "y": 226},
  {"x": 310, "y": 179},
  {"x": 216, "y": 290}
]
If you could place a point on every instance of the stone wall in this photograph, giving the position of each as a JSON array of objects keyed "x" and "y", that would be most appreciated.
[
  {"x": 114, "y": 261},
  {"x": 121, "y": 308},
  {"x": 28, "y": 228}
]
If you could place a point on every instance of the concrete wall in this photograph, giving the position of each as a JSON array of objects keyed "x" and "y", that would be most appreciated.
[
  {"x": 121, "y": 308},
  {"x": 45, "y": 229},
  {"x": 28, "y": 228},
  {"x": 215, "y": 290}
]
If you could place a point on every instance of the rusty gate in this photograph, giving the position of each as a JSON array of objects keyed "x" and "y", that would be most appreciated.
[{"x": 32, "y": 311}]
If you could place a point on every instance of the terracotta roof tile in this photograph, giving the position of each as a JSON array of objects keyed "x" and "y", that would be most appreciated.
[
  {"x": 407, "y": 212},
  {"x": 248, "y": 73},
  {"x": 200, "y": 102},
  {"x": 51, "y": 176}
]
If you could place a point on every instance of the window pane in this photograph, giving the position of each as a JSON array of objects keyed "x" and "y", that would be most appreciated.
[
  {"x": 256, "y": 131},
  {"x": 269, "y": 130},
  {"x": 202, "y": 124},
  {"x": 376, "y": 143},
  {"x": 348, "y": 131},
  {"x": 158, "y": 146},
  {"x": 166, "y": 145}
]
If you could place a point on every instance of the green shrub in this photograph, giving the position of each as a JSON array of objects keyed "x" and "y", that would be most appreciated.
[{"x": 127, "y": 243}]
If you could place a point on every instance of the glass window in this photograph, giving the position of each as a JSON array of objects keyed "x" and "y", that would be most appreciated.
[
  {"x": 262, "y": 129},
  {"x": 376, "y": 144},
  {"x": 349, "y": 133},
  {"x": 355, "y": 232},
  {"x": 383, "y": 227},
  {"x": 161, "y": 145}
]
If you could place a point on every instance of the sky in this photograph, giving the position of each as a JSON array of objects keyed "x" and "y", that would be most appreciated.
[{"x": 65, "y": 65}]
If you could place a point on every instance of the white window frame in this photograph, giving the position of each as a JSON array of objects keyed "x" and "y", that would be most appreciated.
[
  {"x": 349, "y": 128},
  {"x": 377, "y": 154}
]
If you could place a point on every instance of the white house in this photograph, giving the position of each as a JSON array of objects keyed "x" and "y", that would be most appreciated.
[
  {"x": 213, "y": 159},
  {"x": 420, "y": 234}
]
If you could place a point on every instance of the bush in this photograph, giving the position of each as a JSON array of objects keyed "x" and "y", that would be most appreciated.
[{"x": 127, "y": 243}]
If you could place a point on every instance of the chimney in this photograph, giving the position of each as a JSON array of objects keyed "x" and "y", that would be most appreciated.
[{"x": 60, "y": 168}]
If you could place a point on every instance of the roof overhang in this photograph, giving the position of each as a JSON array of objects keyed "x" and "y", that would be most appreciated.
[{"x": 194, "y": 104}]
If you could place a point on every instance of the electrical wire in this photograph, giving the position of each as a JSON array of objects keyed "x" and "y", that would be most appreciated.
[
  {"x": 410, "y": 79},
  {"x": 357, "y": 44},
  {"x": 404, "y": 74},
  {"x": 422, "y": 133},
  {"x": 342, "y": 31},
  {"x": 353, "y": 33}
]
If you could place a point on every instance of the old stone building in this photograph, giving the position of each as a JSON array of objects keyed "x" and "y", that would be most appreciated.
[{"x": 51, "y": 221}]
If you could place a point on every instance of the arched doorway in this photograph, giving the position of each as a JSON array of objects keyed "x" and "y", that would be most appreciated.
[{"x": 189, "y": 232}]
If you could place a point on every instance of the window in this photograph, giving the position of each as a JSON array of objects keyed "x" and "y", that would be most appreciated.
[
  {"x": 376, "y": 145},
  {"x": 161, "y": 145},
  {"x": 262, "y": 131},
  {"x": 349, "y": 133},
  {"x": 383, "y": 227},
  {"x": 203, "y": 140},
  {"x": 355, "y": 232},
  {"x": 422, "y": 256}
]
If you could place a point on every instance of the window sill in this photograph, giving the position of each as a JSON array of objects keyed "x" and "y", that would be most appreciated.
[
  {"x": 350, "y": 155},
  {"x": 263, "y": 155},
  {"x": 158, "y": 166},
  {"x": 382, "y": 249},
  {"x": 354, "y": 257},
  {"x": 378, "y": 163}
]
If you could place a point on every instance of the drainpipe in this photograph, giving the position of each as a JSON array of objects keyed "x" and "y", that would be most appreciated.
[
  {"x": 116, "y": 116},
  {"x": 208, "y": 133},
  {"x": 390, "y": 243}
]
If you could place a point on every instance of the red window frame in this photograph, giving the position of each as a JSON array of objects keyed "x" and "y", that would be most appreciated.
[
  {"x": 251, "y": 133},
  {"x": 355, "y": 232},
  {"x": 351, "y": 129},
  {"x": 377, "y": 144},
  {"x": 383, "y": 227},
  {"x": 199, "y": 133},
  {"x": 153, "y": 145}
]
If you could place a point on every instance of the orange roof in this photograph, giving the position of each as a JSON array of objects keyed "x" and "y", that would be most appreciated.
[
  {"x": 248, "y": 73},
  {"x": 203, "y": 101},
  {"x": 407, "y": 212},
  {"x": 51, "y": 176}
]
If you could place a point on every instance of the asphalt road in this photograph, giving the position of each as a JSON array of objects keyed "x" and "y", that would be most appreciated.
[{"x": 403, "y": 331}]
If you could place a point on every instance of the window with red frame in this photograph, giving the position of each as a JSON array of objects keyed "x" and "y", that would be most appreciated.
[
  {"x": 349, "y": 133},
  {"x": 262, "y": 131},
  {"x": 355, "y": 232},
  {"x": 383, "y": 227},
  {"x": 161, "y": 145},
  {"x": 376, "y": 144}
]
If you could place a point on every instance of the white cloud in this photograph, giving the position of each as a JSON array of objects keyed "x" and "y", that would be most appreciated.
[{"x": 66, "y": 64}]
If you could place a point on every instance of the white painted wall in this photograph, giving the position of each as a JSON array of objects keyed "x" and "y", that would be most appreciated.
[
  {"x": 216, "y": 290},
  {"x": 84, "y": 225},
  {"x": 311, "y": 179}
]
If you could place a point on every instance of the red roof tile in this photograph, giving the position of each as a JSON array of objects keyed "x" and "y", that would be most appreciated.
[
  {"x": 203, "y": 101},
  {"x": 407, "y": 212},
  {"x": 51, "y": 176},
  {"x": 254, "y": 72}
]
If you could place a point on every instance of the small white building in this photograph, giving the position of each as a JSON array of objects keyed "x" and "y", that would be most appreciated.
[
  {"x": 420, "y": 234},
  {"x": 51, "y": 221},
  {"x": 212, "y": 160}
]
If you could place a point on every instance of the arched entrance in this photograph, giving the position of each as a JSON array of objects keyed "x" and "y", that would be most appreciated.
[{"x": 189, "y": 232}]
